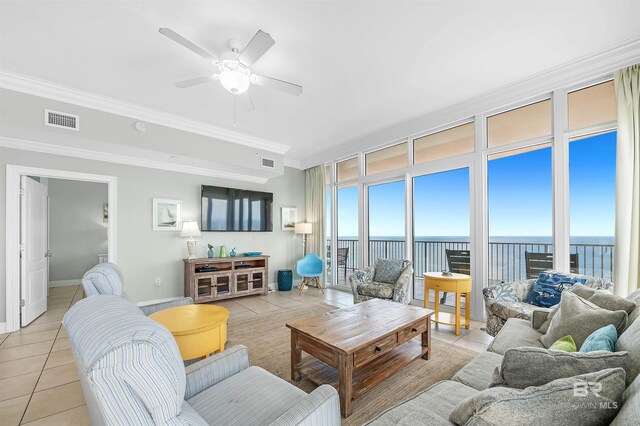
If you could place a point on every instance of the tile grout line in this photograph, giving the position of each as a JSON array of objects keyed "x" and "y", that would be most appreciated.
[{"x": 45, "y": 363}]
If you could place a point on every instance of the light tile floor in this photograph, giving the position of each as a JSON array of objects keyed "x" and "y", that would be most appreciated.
[{"x": 38, "y": 380}]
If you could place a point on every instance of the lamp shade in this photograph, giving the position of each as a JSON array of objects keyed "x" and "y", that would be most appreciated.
[
  {"x": 190, "y": 229},
  {"x": 303, "y": 228}
]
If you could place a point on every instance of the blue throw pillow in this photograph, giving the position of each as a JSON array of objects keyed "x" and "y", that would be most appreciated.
[
  {"x": 547, "y": 290},
  {"x": 603, "y": 339}
]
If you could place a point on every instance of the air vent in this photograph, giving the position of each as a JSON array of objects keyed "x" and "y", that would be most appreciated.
[
  {"x": 61, "y": 119},
  {"x": 268, "y": 163}
]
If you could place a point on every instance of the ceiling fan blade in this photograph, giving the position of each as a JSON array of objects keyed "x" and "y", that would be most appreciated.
[
  {"x": 258, "y": 46},
  {"x": 168, "y": 32},
  {"x": 283, "y": 86},
  {"x": 244, "y": 101},
  {"x": 194, "y": 81}
]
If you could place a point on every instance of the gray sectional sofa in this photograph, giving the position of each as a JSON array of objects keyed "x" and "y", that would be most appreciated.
[{"x": 476, "y": 396}]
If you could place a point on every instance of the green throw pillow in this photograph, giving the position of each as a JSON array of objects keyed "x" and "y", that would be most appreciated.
[
  {"x": 603, "y": 339},
  {"x": 565, "y": 344}
]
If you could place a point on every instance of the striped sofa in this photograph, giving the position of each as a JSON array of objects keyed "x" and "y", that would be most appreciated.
[
  {"x": 132, "y": 374},
  {"x": 106, "y": 278}
]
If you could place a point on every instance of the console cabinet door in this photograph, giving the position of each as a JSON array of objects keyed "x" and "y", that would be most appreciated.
[{"x": 243, "y": 282}]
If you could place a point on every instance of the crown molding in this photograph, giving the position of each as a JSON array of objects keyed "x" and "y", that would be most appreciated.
[
  {"x": 33, "y": 86},
  {"x": 46, "y": 148},
  {"x": 293, "y": 163},
  {"x": 566, "y": 75}
]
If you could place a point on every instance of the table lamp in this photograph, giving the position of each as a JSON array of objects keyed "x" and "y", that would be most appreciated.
[
  {"x": 190, "y": 230},
  {"x": 304, "y": 229}
]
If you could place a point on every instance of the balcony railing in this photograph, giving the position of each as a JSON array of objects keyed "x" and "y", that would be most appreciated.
[{"x": 506, "y": 259}]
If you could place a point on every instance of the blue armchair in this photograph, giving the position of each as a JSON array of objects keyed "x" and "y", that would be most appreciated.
[
  {"x": 131, "y": 373},
  {"x": 310, "y": 268},
  {"x": 105, "y": 278}
]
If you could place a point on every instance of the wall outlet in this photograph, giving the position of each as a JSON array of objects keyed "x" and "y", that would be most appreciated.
[{"x": 158, "y": 282}]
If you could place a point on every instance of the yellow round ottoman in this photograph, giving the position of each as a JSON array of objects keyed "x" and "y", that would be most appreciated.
[{"x": 199, "y": 330}]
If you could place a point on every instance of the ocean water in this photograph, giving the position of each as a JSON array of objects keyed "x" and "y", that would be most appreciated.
[{"x": 595, "y": 254}]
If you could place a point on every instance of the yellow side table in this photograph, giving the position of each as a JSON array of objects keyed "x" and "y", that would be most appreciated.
[
  {"x": 454, "y": 283},
  {"x": 199, "y": 330}
]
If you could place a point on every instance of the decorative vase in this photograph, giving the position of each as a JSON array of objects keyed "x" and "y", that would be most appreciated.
[
  {"x": 232, "y": 253},
  {"x": 210, "y": 254},
  {"x": 223, "y": 251}
]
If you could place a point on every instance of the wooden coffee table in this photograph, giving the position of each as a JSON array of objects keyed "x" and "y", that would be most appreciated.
[{"x": 356, "y": 348}]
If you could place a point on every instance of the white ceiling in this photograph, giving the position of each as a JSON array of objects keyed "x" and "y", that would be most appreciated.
[{"x": 364, "y": 65}]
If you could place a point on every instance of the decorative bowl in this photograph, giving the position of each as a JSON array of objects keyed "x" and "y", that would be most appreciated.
[{"x": 252, "y": 253}]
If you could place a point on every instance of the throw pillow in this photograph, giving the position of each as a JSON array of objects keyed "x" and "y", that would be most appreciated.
[
  {"x": 579, "y": 318},
  {"x": 550, "y": 285},
  {"x": 556, "y": 403},
  {"x": 389, "y": 270},
  {"x": 603, "y": 339},
  {"x": 564, "y": 344},
  {"x": 604, "y": 299},
  {"x": 524, "y": 367},
  {"x": 630, "y": 341}
]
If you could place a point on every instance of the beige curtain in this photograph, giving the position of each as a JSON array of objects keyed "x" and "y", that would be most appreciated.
[
  {"x": 627, "y": 268},
  {"x": 315, "y": 209}
]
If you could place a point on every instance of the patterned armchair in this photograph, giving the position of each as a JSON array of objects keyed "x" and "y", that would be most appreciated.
[
  {"x": 509, "y": 300},
  {"x": 387, "y": 279}
]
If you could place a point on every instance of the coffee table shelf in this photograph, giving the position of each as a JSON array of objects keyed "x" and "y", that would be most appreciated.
[{"x": 367, "y": 376}]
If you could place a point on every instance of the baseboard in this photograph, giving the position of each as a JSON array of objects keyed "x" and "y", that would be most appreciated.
[
  {"x": 64, "y": 283},
  {"x": 3, "y": 327},
  {"x": 153, "y": 302}
]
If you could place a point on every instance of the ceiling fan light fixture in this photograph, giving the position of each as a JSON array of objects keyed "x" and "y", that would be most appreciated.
[{"x": 235, "y": 81}]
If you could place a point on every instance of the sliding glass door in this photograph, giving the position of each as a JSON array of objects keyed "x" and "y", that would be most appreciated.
[
  {"x": 386, "y": 221},
  {"x": 442, "y": 223},
  {"x": 347, "y": 250}
]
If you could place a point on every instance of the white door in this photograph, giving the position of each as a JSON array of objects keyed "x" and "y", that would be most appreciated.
[{"x": 34, "y": 265}]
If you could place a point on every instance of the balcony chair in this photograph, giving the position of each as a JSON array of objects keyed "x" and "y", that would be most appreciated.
[
  {"x": 310, "y": 268},
  {"x": 342, "y": 255},
  {"x": 509, "y": 300},
  {"x": 540, "y": 262},
  {"x": 459, "y": 261},
  {"x": 106, "y": 278},
  {"x": 131, "y": 373},
  {"x": 387, "y": 279}
]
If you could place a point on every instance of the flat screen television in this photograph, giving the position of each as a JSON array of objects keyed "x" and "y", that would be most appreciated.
[{"x": 236, "y": 210}]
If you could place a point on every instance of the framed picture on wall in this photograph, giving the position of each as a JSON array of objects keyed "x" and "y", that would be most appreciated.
[
  {"x": 288, "y": 218},
  {"x": 167, "y": 215}
]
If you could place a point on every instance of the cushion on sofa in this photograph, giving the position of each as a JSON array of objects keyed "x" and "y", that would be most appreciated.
[
  {"x": 549, "y": 286},
  {"x": 430, "y": 407},
  {"x": 554, "y": 403},
  {"x": 389, "y": 270},
  {"x": 630, "y": 412},
  {"x": 604, "y": 299},
  {"x": 376, "y": 289},
  {"x": 477, "y": 374},
  {"x": 222, "y": 403},
  {"x": 630, "y": 341},
  {"x": 524, "y": 367},
  {"x": 510, "y": 309},
  {"x": 579, "y": 318},
  {"x": 603, "y": 339},
  {"x": 564, "y": 344},
  {"x": 633, "y": 315},
  {"x": 515, "y": 333}
]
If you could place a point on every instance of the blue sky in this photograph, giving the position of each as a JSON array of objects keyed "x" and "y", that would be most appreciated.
[{"x": 520, "y": 197}]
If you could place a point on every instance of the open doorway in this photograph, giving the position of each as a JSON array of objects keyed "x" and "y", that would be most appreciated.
[{"x": 62, "y": 223}]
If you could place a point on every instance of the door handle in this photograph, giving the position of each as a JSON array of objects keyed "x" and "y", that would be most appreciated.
[{"x": 48, "y": 254}]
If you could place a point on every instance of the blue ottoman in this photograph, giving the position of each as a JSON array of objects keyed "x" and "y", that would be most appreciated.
[{"x": 285, "y": 280}]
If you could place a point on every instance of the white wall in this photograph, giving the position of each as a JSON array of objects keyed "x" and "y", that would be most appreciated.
[
  {"x": 77, "y": 233},
  {"x": 144, "y": 254}
]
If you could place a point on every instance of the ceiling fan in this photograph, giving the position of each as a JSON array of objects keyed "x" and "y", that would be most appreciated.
[{"x": 234, "y": 72}]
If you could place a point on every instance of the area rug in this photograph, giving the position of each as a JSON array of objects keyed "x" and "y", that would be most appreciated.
[{"x": 268, "y": 340}]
